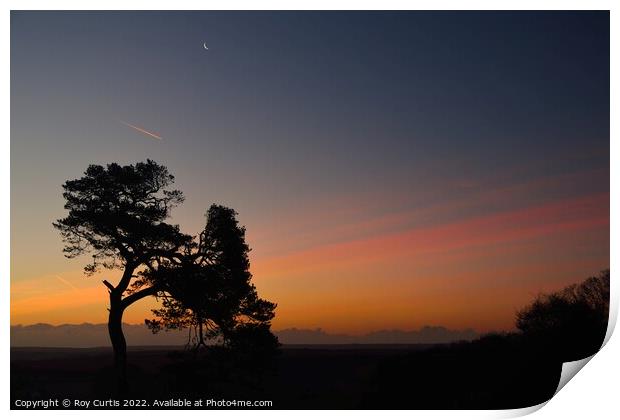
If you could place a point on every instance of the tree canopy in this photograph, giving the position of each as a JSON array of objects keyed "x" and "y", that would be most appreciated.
[
  {"x": 210, "y": 289},
  {"x": 572, "y": 321},
  {"x": 118, "y": 212}
]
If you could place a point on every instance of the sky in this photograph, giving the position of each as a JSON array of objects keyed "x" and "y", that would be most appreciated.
[{"x": 393, "y": 169}]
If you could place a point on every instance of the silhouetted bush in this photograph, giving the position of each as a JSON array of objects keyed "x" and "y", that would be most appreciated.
[
  {"x": 571, "y": 323},
  {"x": 255, "y": 340}
]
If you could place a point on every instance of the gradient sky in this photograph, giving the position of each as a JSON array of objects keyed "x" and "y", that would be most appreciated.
[{"x": 393, "y": 170}]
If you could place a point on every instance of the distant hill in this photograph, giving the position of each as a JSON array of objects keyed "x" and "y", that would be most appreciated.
[{"x": 96, "y": 335}]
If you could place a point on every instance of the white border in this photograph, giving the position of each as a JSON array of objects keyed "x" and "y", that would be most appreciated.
[{"x": 593, "y": 394}]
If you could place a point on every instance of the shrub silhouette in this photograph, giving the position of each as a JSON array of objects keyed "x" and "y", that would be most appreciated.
[{"x": 570, "y": 323}]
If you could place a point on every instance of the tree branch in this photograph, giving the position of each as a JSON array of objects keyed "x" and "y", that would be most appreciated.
[
  {"x": 108, "y": 285},
  {"x": 148, "y": 291},
  {"x": 126, "y": 278}
]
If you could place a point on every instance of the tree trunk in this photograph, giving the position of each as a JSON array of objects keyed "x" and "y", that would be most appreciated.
[
  {"x": 119, "y": 345},
  {"x": 200, "y": 340}
]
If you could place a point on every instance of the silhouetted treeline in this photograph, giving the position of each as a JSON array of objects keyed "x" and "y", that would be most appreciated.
[
  {"x": 507, "y": 370},
  {"x": 570, "y": 324}
]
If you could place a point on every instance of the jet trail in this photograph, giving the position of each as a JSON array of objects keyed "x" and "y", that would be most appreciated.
[
  {"x": 142, "y": 130},
  {"x": 66, "y": 282}
]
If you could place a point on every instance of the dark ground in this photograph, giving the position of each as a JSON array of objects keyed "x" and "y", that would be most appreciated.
[{"x": 479, "y": 375}]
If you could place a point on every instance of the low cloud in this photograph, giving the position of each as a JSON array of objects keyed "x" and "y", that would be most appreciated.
[
  {"x": 89, "y": 335},
  {"x": 96, "y": 335}
]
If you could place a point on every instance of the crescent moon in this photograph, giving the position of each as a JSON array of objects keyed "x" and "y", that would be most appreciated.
[{"x": 204, "y": 44}]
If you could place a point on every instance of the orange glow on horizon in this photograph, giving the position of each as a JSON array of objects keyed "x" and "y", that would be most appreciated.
[{"x": 468, "y": 273}]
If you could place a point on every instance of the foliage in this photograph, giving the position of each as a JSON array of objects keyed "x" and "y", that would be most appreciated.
[
  {"x": 572, "y": 321},
  {"x": 118, "y": 212},
  {"x": 210, "y": 289}
]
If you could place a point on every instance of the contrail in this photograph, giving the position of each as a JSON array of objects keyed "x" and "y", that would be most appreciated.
[
  {"x": 142, "y": 130},
  {"x": 66, "y": 282}
]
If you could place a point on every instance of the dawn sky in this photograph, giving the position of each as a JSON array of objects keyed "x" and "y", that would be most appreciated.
[{"x": 393, "y": 170}]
